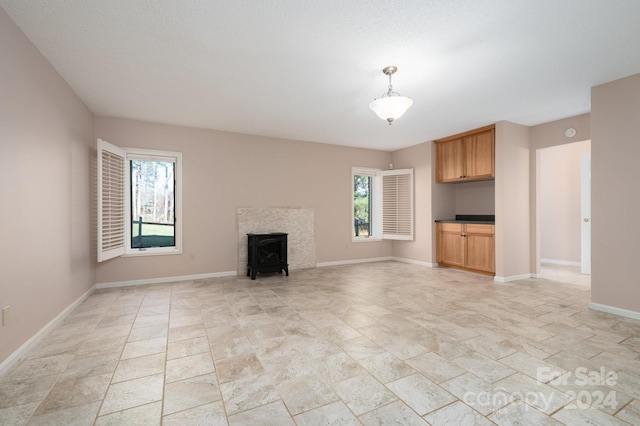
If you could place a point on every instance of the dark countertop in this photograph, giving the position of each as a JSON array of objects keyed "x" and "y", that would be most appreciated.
[
  {"x": 482, "y": 219},
  {"x": 480, "y": 222}
]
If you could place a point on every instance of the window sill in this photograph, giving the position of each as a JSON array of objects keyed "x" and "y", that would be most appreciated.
[
  {"x": 365, "y": 239},
  {"x": 150, "y": 252}
]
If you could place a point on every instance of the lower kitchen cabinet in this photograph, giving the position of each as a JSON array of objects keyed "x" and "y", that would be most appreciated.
[{"x": 467, "y": 246}]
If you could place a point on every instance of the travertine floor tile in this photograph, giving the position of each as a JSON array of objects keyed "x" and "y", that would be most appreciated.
[
  {"x": 631, "y": 412},
  {"x": 274, "y": 414},
  {"x": 80, "y": 415},
  {"x": 435, "y": 368},
  {"x": 525, "y": 414},
  {"x": 306, "y": 393},
  {"x": 531, "y": 366},
  {"x": 17, "y": 414},
  {"x": 134, "y": 368},
  {"x": 144, "y": 415},
  {"x": 133, "y": 393},
  {"x": 189, "y": 366},
  {"x": 73, "y": 392},
  {"x": 91, "y": 366},
  {"x": 332, "y": 414},
  {"x": 210, "y": 414},
  {"x": 190, "y": 393},
  {"x": 483, "y": 367},
  {"x": 35, "y": 367},
  {"x": 536, "y": 394},
  {"x": 26, "y": 391},
  {"x": 421, "y": 394},
  {"x": 396, "y": 413},
  {"x": 144, "y": 347},
  {"x": 145, "y": 333},
  {"x": 374, "y": 343},
  {"x": 186, "y": 347},
  {"x": 477, "y": 393},
  {"x": 588, "y": 416},
  {"x": 386, "y": 367},
  {"x": 363, "y": 393},
  {"x": 247, "y": 393},
  {"x": 457, "y": 414}
]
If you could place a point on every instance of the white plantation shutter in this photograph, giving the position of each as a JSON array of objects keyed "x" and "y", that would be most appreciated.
[
  {"x": 111, "y": 201},
  {"x": 397, "y": 204}
]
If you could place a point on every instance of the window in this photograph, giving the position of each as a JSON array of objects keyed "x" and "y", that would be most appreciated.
[
  {"x": 365, "y": 198},
  {"x": 382, "y": 204},
  {"x": 139, "y": 202}
]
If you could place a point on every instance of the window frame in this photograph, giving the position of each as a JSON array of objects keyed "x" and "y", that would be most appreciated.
[
  {"x": 375, "y": 193},
  {"x": 377, "y": 213},
  {"x": 127, "y": 154},
  {"x": 153, "y": 155}
]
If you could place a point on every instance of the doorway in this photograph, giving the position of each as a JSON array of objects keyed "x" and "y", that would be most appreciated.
[{"x": 564, "y": 237}]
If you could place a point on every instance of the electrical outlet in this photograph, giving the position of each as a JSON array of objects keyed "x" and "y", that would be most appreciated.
[{"x": 5, "y": 315}]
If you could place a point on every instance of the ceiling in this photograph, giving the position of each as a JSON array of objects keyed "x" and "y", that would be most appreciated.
[{"x": 307, "y": 70}]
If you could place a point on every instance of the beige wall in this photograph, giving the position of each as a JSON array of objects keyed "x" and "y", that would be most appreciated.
[
  {"x": 544, "y": 136},
  {"x": 419, "y": 158},
  {"x": 560, "y": 195},
  {"x": 475, "y": 197},
  {"x": 512, "y": 201},
  {"x": 615, "y": 149},
  {"x": 223, "y": 171},
  {"x": 45, "y": 138}
]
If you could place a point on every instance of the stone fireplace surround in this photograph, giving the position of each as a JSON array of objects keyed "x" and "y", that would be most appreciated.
[{"x": 297, "y": 222}]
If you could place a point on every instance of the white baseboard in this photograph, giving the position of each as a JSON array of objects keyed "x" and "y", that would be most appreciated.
[
  {"x": 163, "y": 280},
  {"x": 352, "y": 262},
  {"x": 415, "y": 262},
  {"x": 613, "y": 310},
  {"x": 511, "y": 278},
  {"x": 20, "y": 353},
  {"x": 376, "y": 259},
  {"x": 560, "y": 262}
]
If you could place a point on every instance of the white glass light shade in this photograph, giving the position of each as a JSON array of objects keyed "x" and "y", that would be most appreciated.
[{"x": 390, "y": 107}]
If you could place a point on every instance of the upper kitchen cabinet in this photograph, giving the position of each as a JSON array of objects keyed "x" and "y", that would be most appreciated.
[{"x": 466, "y": 156}]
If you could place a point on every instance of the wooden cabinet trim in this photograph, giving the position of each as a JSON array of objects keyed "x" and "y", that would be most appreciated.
[
  {"x": 467, "y": 133},
  {"x": 476, "y": 228},
  {"x": 451, "y": 227}
]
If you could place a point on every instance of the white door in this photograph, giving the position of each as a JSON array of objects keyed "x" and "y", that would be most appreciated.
[{"x": 585, "y": 209}]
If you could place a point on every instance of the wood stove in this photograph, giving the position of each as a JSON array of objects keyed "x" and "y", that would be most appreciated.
[{"x": 267, "y": 253}]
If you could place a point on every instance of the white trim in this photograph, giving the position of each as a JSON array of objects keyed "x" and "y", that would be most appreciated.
[
  {"x": 19, "y": 354},
  {"x": 114, "y": 250},
  {"x": 375, "y": 196},
  {"x": 163, "y": 280},
  {"x": 415, "y": 262},
  {"x": 153, "y": 155},
  {"x": 613, "y": 310},
  {"x": 560, "y": 262},
  {"x": 536, "y": 276},
  {"x": 512, "y": 278},
  {"x": 365, "y": 239},
  {"x": 352, "y": 262},
  {"x": 396, "y": 207}
]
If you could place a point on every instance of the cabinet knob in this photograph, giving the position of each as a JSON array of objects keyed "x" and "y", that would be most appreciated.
[{"x": 586, "y": 219}]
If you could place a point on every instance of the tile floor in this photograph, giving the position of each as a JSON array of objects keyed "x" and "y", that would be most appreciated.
[{"x": 377, "y": 343}]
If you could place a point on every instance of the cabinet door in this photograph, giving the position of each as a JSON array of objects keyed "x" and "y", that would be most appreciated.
[
  {"x": 450, "y": 244},
  {"x": 480, "y": 251},
  {"x": 449, "y": 161},
  {"x": 479, "y": 155}
]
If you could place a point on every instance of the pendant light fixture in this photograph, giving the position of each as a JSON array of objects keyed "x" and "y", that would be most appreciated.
[{"x": 391, "y": 105}]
